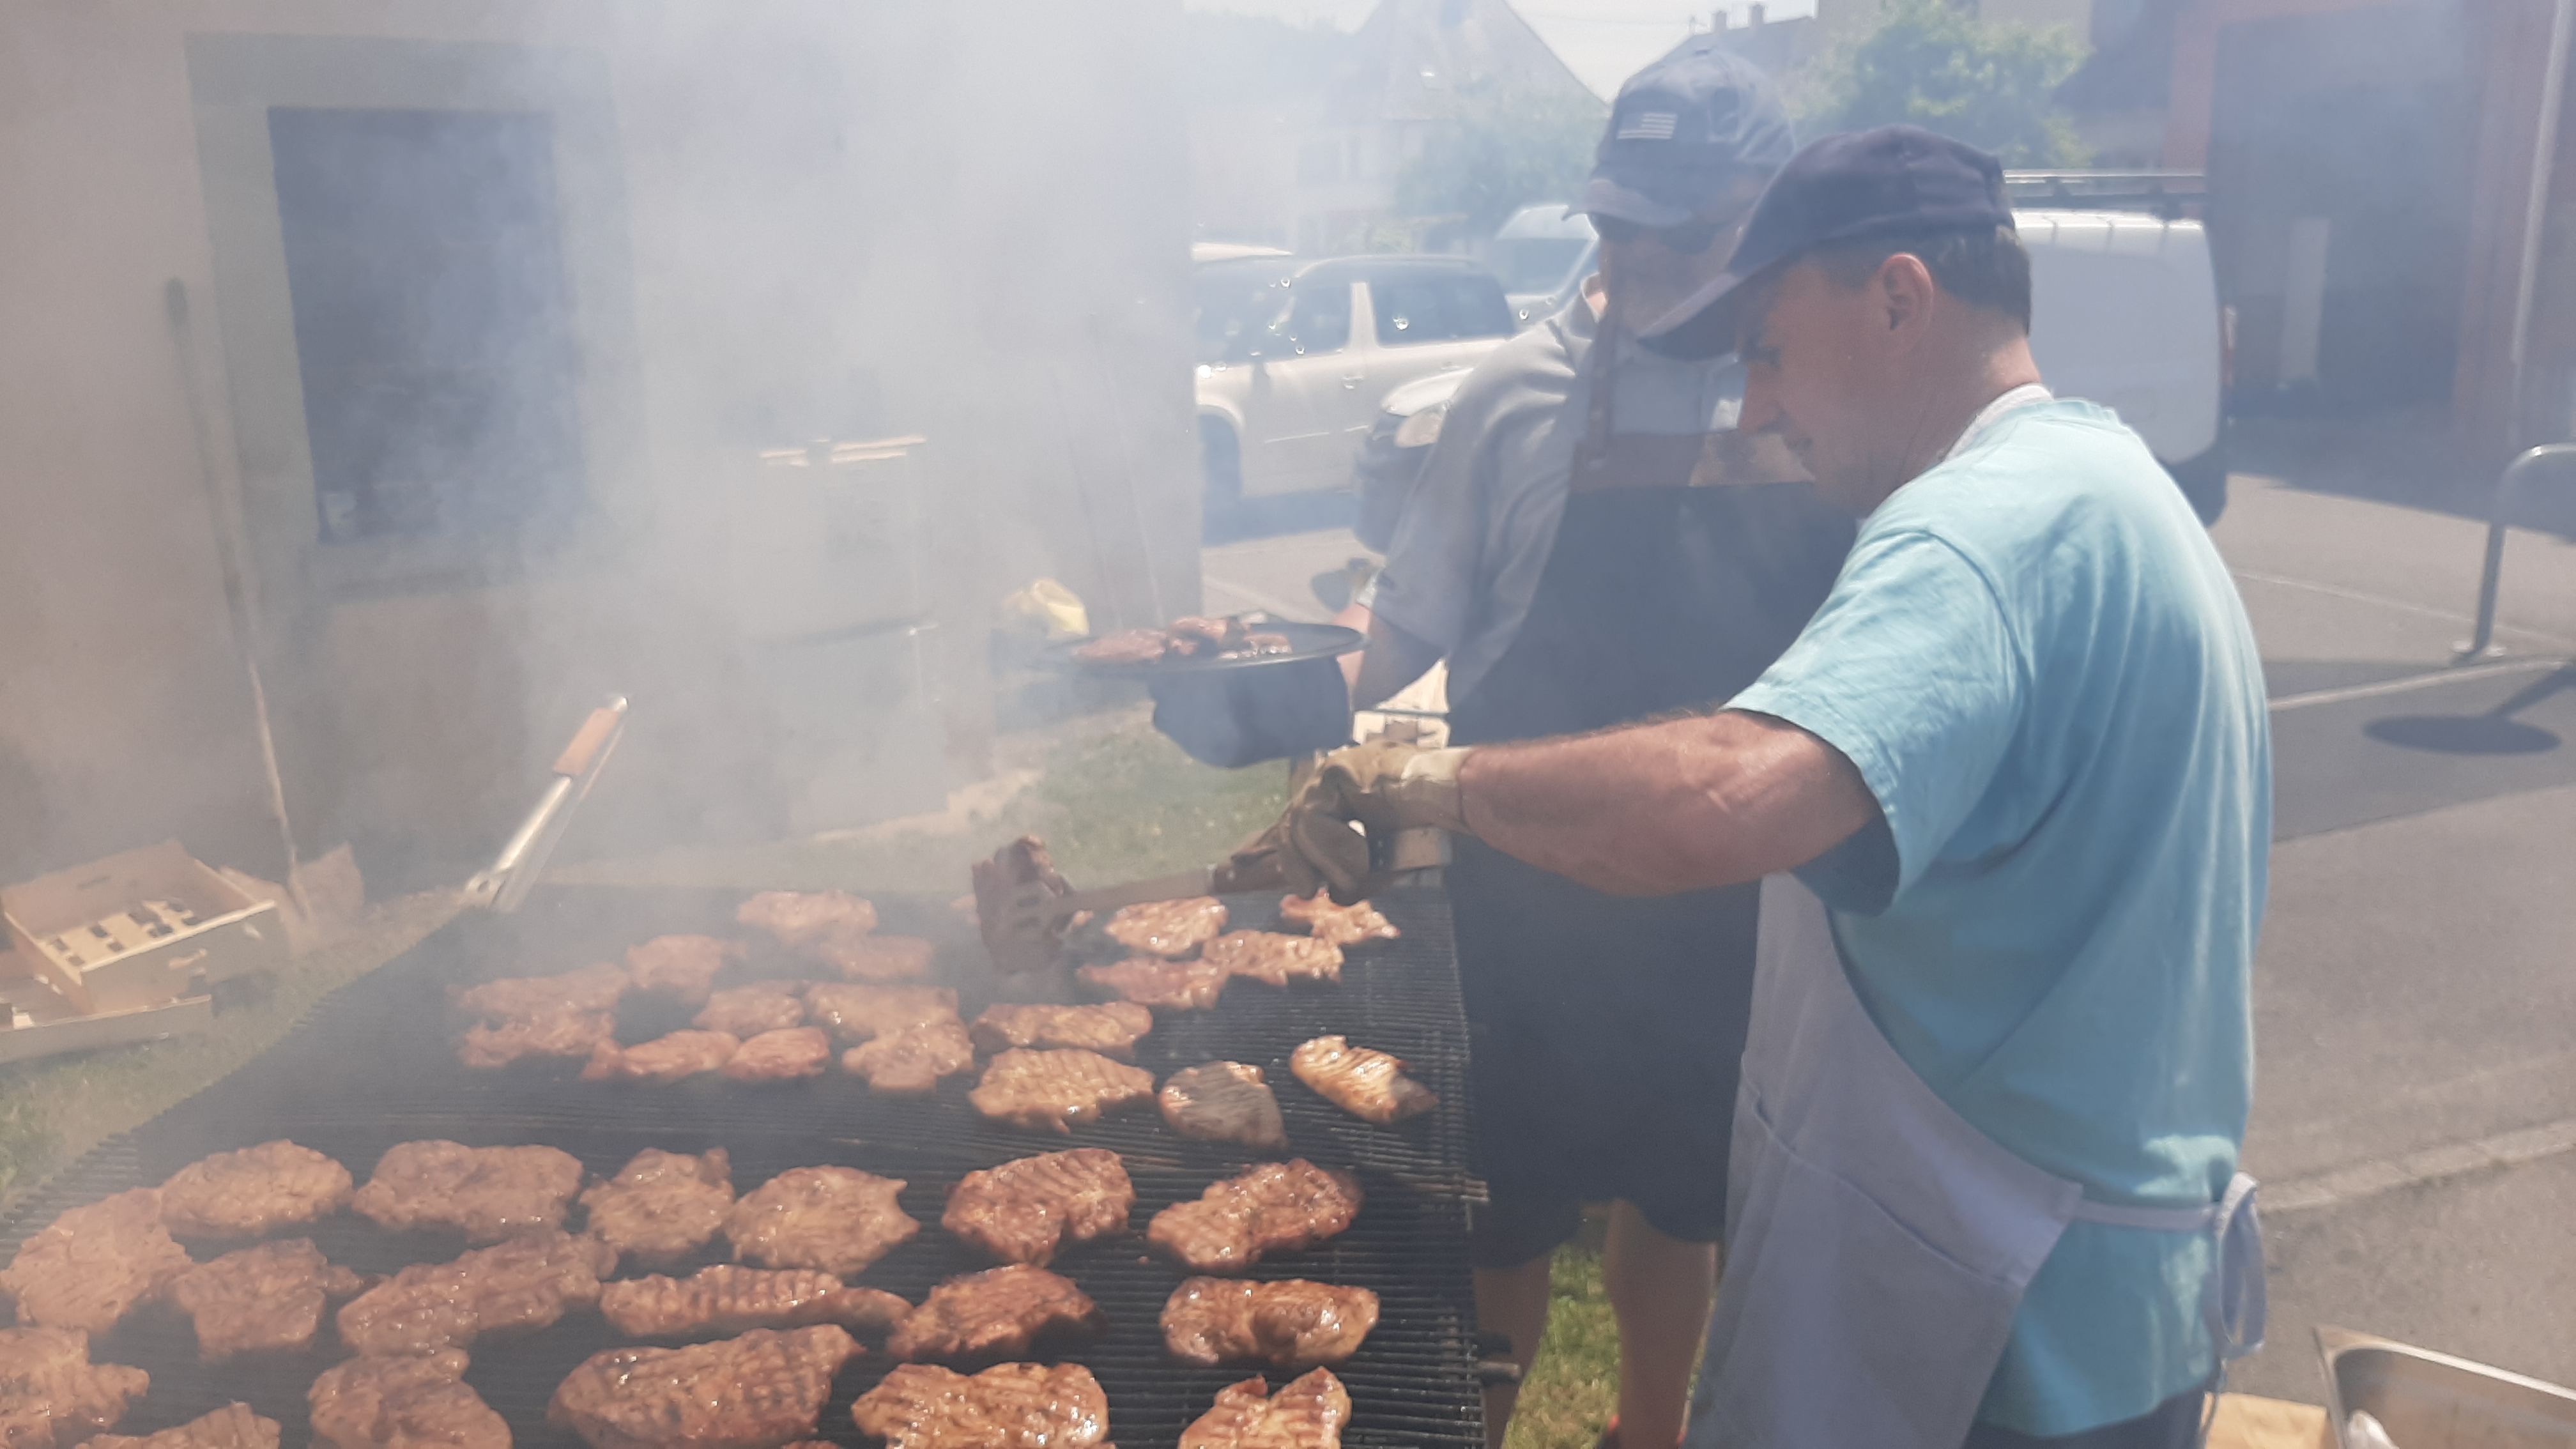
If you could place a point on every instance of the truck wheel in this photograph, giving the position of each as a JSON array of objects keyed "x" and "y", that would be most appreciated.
[{"x": 1221, "y": 466}]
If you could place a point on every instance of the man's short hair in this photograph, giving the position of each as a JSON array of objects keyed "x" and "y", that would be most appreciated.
[{"x": 1983, "y": 268}]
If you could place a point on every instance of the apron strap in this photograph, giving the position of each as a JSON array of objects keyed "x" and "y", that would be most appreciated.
[{"x": 2237, "y": 1301}]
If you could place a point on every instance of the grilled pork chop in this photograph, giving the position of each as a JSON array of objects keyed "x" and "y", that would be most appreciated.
[
  {"x": 796, "y": 919},
  {"x": 857, "y": 1013},
  {"x": 1151, "y": 981},
  {"x": 489, "y": 1046},
  {"x": 253, "y": 1192},
  {"x": 1291, "y": 1324},
  {"x": 731, "y": 1298},
  {"x": 592, "y": 988},
  {"x": 52, "y": 1396},
  {"x": 233, "y": 1426},
  {"x": 1008, "y": 1406},
  {"x": 754, "y": 1392},
  {"x": 525, "y": 1283},
  {"x": 267, "y": 1297},
  {"x": 994, "y": 1314},
  {"x": 874, "y": 958},
  {"x": 682, "y": 968},
  {"x": 1168, "y": 928},
  {"x": 1307, "y": 1413},
  {"x": 751, "y": 1010},
  {"x": 1277, "y": 1207},
  {"x": 487, "y": 1193},
  {"x": 1327, "y": 920},
  {"x": 1224, "y": 1102},
  {"x": 834, "y": 1220},
  {"x": 1057, "y": 1089},
  {"x": 913, "y": 1059},
  {"x": 1021, "y": 1211},
  {"x": 412, "y": 1401},
  {"x": 1370, "y": 1085},
  {"x": 1126, "y": 646},
  {"x": 1110, "y": 1030},
  {"x": 89, "y": 1267},
  {"x": 1271, "y": 958},
  {"x": 782, "y": 1056},
  {"x": 662, "y": 1205},
  {"x": 663, "y": 1060}
]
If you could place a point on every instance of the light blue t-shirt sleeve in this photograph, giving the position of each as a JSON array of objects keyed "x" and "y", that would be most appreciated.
[{"x": 1911, "y": 670}]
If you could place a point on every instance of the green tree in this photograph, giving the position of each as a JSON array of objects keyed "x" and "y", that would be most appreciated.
[
  {"x": 1939, "y": 67},
  {"x": 1504, "y": 148}
]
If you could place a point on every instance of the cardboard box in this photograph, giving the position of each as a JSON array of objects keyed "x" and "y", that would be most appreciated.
[{"x": 136, "y": 931}]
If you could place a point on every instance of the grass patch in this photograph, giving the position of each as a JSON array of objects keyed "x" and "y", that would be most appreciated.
[
  {"x": 1127, "y": 804},
  {"x": 1573, "y": 1389}
]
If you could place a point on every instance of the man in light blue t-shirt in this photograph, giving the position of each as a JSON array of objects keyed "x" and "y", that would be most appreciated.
[{"x": 2010, "y": 790}]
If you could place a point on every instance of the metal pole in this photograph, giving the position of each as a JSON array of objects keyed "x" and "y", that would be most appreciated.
[{"x": 2508, "y": 492}]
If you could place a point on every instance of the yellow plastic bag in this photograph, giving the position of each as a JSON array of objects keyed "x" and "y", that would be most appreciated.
[{"x": 1052, "y": 607}]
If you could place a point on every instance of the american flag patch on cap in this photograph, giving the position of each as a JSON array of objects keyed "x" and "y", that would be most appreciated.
[{"x": 1649, "y": 126}]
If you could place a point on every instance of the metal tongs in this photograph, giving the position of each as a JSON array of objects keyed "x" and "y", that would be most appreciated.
[{"x": 514, "y": 871}]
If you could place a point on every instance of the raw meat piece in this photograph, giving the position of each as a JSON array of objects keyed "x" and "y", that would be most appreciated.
[
  {"x": 1126, "y": 646},
  {"x": 1168, "y": 928},
  {"x": 52, "y": 1396},
  {"x": 1307, "y": 1413},
  {"x": 856, "y": 1013},
  {"x": 1021, "y": 1211},
  {"x": 1370, "y": 1085},
  {"x": 997, "y": 1313},
  {"x": 1278, "y": 1207},
  {"x": 1110, "y": 1030},
  {"x": 1269, "y": 957},
  {"x": 491, "y": 1045},
  {"x": 682, "y": 968},
  {"x": 268, "y": 1297},
  {"x": 253, "y": 1192},
  {"x": 1008, "y": 1406},
  {"x": 1057, "y": 1089},
  {"x": 781, "y": 1056},
  {"x": 751, "y": 1010},
  {"x": 731, "y": 1298},
  {"x": 762, "y": 1389},
  {"x": 592, "y": 988},
  {"x": 874, "y": 958},
  {"x": 834, "y": 1220},
  {"x": 1150, "y": 981},
  {"x": 1326, "y": 920},
  {"x": 796, "y": 919},
  {"x": 913, "y": 1059},
  {"x": 662, "y": 1205},
  {"x": 89, "y": 1267},
  {"x": 1224, "y": 1102},
  {"x": 413, "y": 1401},
  {"x": 233, "y": 1426},
  {"x": 487, "y": 1193},
  {"x": 663, "y": 1060},
  {"x": 525, "y": 1283},
  {"x": 1291, "y": 1324}
]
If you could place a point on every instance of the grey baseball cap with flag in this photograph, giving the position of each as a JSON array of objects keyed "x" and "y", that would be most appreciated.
[{"x": 1682, "y": 133}]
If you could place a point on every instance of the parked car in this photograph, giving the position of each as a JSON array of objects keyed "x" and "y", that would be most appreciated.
[
  {"x": 1284, "y": 407},
  {"x": 1235, "y": 289},
  {"x": 1542, "y": 256}
]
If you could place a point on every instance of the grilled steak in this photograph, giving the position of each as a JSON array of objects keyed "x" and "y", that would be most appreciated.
[
  {"x": 1269, "y": 957},
  {"x": 1370, "y": 1085},
  {"x": 267, "y": 1297},
  {"x": 730, "y": 1298},
  {"x": 1168, "y": 928},
  {"x": 913, "y": 1059},
  {"x": 1125, "y": 646},
  {"x": 1057, "y": 1089},
  {"x": 796, "y": 919},
  {"x": 856, "y": 1013},
  {"x": 997, "y": 1313},
  {"x": 233, "y": 1426},
  {"x": 1277, "y": 1207},
  {"x": 1150, "y": 981},
  {"x": 52, "y": 1396},
  {"x": 663, "y": 1060},
  {"x": 592, "y": 988},
  {"x": 414, "y": 1401},
  {"x": 487, "y": 1193},
  {"x": 1291, "y": 1324},
  {"x": 1307, "y": 1413},
  {"x": 682, "y": 968},
  {"x": 751, "y": 1010},
  {"x": 1008, "y": 1406},
  {"x": 762, "y": 1389},
  {"x": 834, "y": 1220},
  {"x": 1018, "y": 944},
  {"x": 1327, "y": 920},
  {"x": 1023, "y": 1210},
  {"x": 488, "y": 1046},
  {"x": 253, "y": 1192},
  {"x": 662, "y": 1205},
  {"x": 1224, "y": 1102},
  {"x": 525, "y": 1283},
  {"x": 1110, "y": 1030},
  {"x": 89, "y": 1267},
  {"x": 782, "y": 1056},
  {"x": 874, "y": 958}
]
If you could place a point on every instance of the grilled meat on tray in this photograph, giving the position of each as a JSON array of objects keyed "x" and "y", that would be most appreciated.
[
  {"x": 997, "y": 1313},
  {"x": 411, "y": 1401},
  {"x": 663, "y": 1060},
  {"x": 758, "y": 1391},
  {"x": 797, "y": 918},
  {"x": 1152, "y": 981},
  {"x": 89, "y": 1267},
  {"x": 267, "y": 1297},
  {"x": 1307, "y": 1413},
  {"x": 782, "y": 1056},
  {"x": 1224, "y": 1102},
  {"x": 1110, "y": 1030},
  {"x": 1125, "y": 646},
  {"x": 52, "y": 1396},
  {"x": 682, "y": 968},
  {"x": 874, "y": 958},
  {"x": 523, "y": 1284},
  {"x": 1168, "y": 928},
  {"x": 856, "y": 1012},
  {"x": 1008, "y": 1406},
  {"x": 1271, "y": 958},
  {"x": 913, "y": 1059},
  {"x": 662, "y": 1205},
  {"x": 233, "y": 1426},
  {"x": 1291, "y": 1324},
  {"x": 253, "y": 1192},
  {"x": 487, "y": 1193},
  {"x": 1370, "y": 1085},
  {"x": 1278, "y": 1207},
  {"x": 1327, "y": 920},
  {"x": 751, "y": 1010},
  {"x": 729, "y": 1298},
  {"x": 835, "y": 1220},
  {"x": 1057, "y": 1089},
  {"x": 489, "y": 1046},
  {"x": 592, "y": 988},
  {"x": 1021, "y": 1211}
]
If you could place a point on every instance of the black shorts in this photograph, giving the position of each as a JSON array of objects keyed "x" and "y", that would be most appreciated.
[{"x": 1607, "y": 1034}]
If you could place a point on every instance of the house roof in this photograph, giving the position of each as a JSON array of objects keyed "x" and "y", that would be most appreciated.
[{"x": 1410, "y": 58}]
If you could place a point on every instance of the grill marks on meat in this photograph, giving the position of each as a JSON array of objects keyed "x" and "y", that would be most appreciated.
[
  {"x": 262, "y": 1298},
  {"x": 998, "y": 1313},
  {"x": 834, "y": 1220},
  {"x": 913, "y": 1059},
  {"x": 1370, "y": 1085},
  {"x": 1224, "y": 1102},
  {"x": 1172, "y": 985},
  {"x": 1125, "y": 646},
  {"x": 52, "y": 1396},
  {"x": 857, "y": 1013},
  {"x": 575, "y": 1034},
  {"x": 414, "y": 1401},
  {"x": 1008, "y": 1406},
  {"x": 750, "y": 1010},
  {"x": 682, "y": 968},
  {"x": 730, "y": 1298},
  {"x": 233, "y": 1426},
  {"x": 663, "y": 1060},
  {"x": 1168, "y": 928},
  {"x": 1277, "y": 1207},
  {"x": 781, "y": 1056},
  {"x": 1306, "y": 1413},
  {"x": 1023, "y": 1210},
  {"x": 523, "y": 1284},
  {"x": 1059, "y": 1089},
  {"x": 1110, "y": 1030},
  {"x": 1020, "y": 870},
  {"x": 1291, "y": 1324},
  {"x": 1271, "y": 958},
  {"x": 487, "y": 1193},
  {"x": 1342, "y": 925},
  {"x": 754, "y": 1392},
  {"x": 89, "y": 1267},
  {"x": 253, "y": 1192},
  {"x": 799, "y": 918},
  {"x": 875, "y": 958},
  {"x": 590, "y": 989},
  {"x": 662, "y": 1205}
]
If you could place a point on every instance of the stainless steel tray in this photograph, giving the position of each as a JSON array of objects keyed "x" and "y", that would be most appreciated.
[{"x": 2428, "y": 1400}]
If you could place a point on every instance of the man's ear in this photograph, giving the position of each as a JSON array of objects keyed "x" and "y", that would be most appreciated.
[{"x": 1905, "y": 293}]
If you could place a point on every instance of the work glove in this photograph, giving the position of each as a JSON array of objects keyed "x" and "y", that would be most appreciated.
[
  {"x": 1230, "y": 718},
  {"x": 1381, "y": 789}
]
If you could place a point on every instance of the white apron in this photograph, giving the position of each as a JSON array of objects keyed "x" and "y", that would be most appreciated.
[{"x": 1878, "y": 1244}]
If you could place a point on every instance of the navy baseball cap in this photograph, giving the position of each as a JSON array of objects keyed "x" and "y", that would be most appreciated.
[
  {"x": 1682, "y": 132},
  {"x": 1886, "y": 182}
]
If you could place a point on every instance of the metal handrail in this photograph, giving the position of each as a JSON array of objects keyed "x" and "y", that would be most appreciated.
[{"x": 2509, "y": 489}]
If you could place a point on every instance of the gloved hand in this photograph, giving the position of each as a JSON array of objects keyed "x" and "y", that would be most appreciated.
[
  {"x": 1382, "y": 788},
  {"x": 1230, "y": 718}
]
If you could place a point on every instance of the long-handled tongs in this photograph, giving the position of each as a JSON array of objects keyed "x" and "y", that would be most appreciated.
[{"x": 515, "y": 870}]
